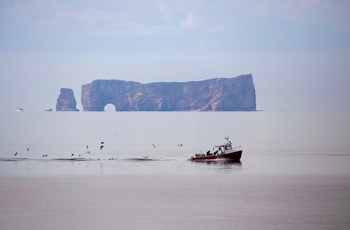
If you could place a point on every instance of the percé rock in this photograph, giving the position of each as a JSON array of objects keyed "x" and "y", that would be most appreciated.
[
  {"x": 219, "y": 94},
  {"x": 66, "y": 101}
]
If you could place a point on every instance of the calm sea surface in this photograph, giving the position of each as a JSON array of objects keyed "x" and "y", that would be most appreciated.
[
  {"x": 294, "y": 172},
  {"x": 272, "y": 142}
]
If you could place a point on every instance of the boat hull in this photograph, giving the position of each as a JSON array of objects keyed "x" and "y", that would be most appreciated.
[{"x": 233, "y": 156}]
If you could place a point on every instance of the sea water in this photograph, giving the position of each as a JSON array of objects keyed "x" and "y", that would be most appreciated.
[
  {"x": 272, "y": 142},
  {"x": 294, "y": 172}
]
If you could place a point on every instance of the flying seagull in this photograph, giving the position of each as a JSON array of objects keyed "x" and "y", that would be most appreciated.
[
  {"x": 154, "y": 146},
  {"x": 101, "y": 147},
  {"x": 16, "y": 153}
]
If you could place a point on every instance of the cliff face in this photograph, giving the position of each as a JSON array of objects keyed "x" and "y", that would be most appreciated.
[
  {"x": 66, "y": 101},
  {"x": 220, "y": 94}
]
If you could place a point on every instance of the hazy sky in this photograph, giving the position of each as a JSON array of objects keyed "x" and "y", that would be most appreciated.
[{"x": 297, "y": 50}]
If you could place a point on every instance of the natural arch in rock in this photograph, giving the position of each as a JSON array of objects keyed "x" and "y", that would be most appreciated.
[
  {"x": 110, "y": 108},
  {"x": 218, "y": 94}
]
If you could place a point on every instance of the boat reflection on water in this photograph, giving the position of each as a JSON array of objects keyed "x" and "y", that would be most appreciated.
[{"x": 226, "y": 166}]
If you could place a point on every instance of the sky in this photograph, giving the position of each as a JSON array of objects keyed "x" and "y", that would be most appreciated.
[{"x": 298, "y": 51}]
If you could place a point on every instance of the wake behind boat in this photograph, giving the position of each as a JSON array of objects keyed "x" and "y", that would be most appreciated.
[{"x": 221, "y": 152}]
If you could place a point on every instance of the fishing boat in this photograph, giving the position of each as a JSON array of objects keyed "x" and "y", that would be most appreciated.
[{"x": 224, "y": 152}]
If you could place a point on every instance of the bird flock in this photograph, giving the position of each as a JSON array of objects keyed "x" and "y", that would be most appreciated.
[
  {"x": 16, "y": 154},
  {"x": 72, "y": 155}
]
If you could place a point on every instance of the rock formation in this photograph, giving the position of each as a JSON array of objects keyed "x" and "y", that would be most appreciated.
[
  {"x": 66, "y": 101},
  {"x": 220, "y": 94}
]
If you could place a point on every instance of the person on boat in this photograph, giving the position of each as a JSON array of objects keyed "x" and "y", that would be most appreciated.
[{"x": 220, "y": 151}]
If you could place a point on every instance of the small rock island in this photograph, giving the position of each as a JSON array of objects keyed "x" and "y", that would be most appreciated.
[
  {"x": 66, "y": 101},
  {"x": 219, "y": 94}
]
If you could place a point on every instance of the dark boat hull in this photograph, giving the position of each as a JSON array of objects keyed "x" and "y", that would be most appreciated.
[{"x": 234, "y": 156}]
